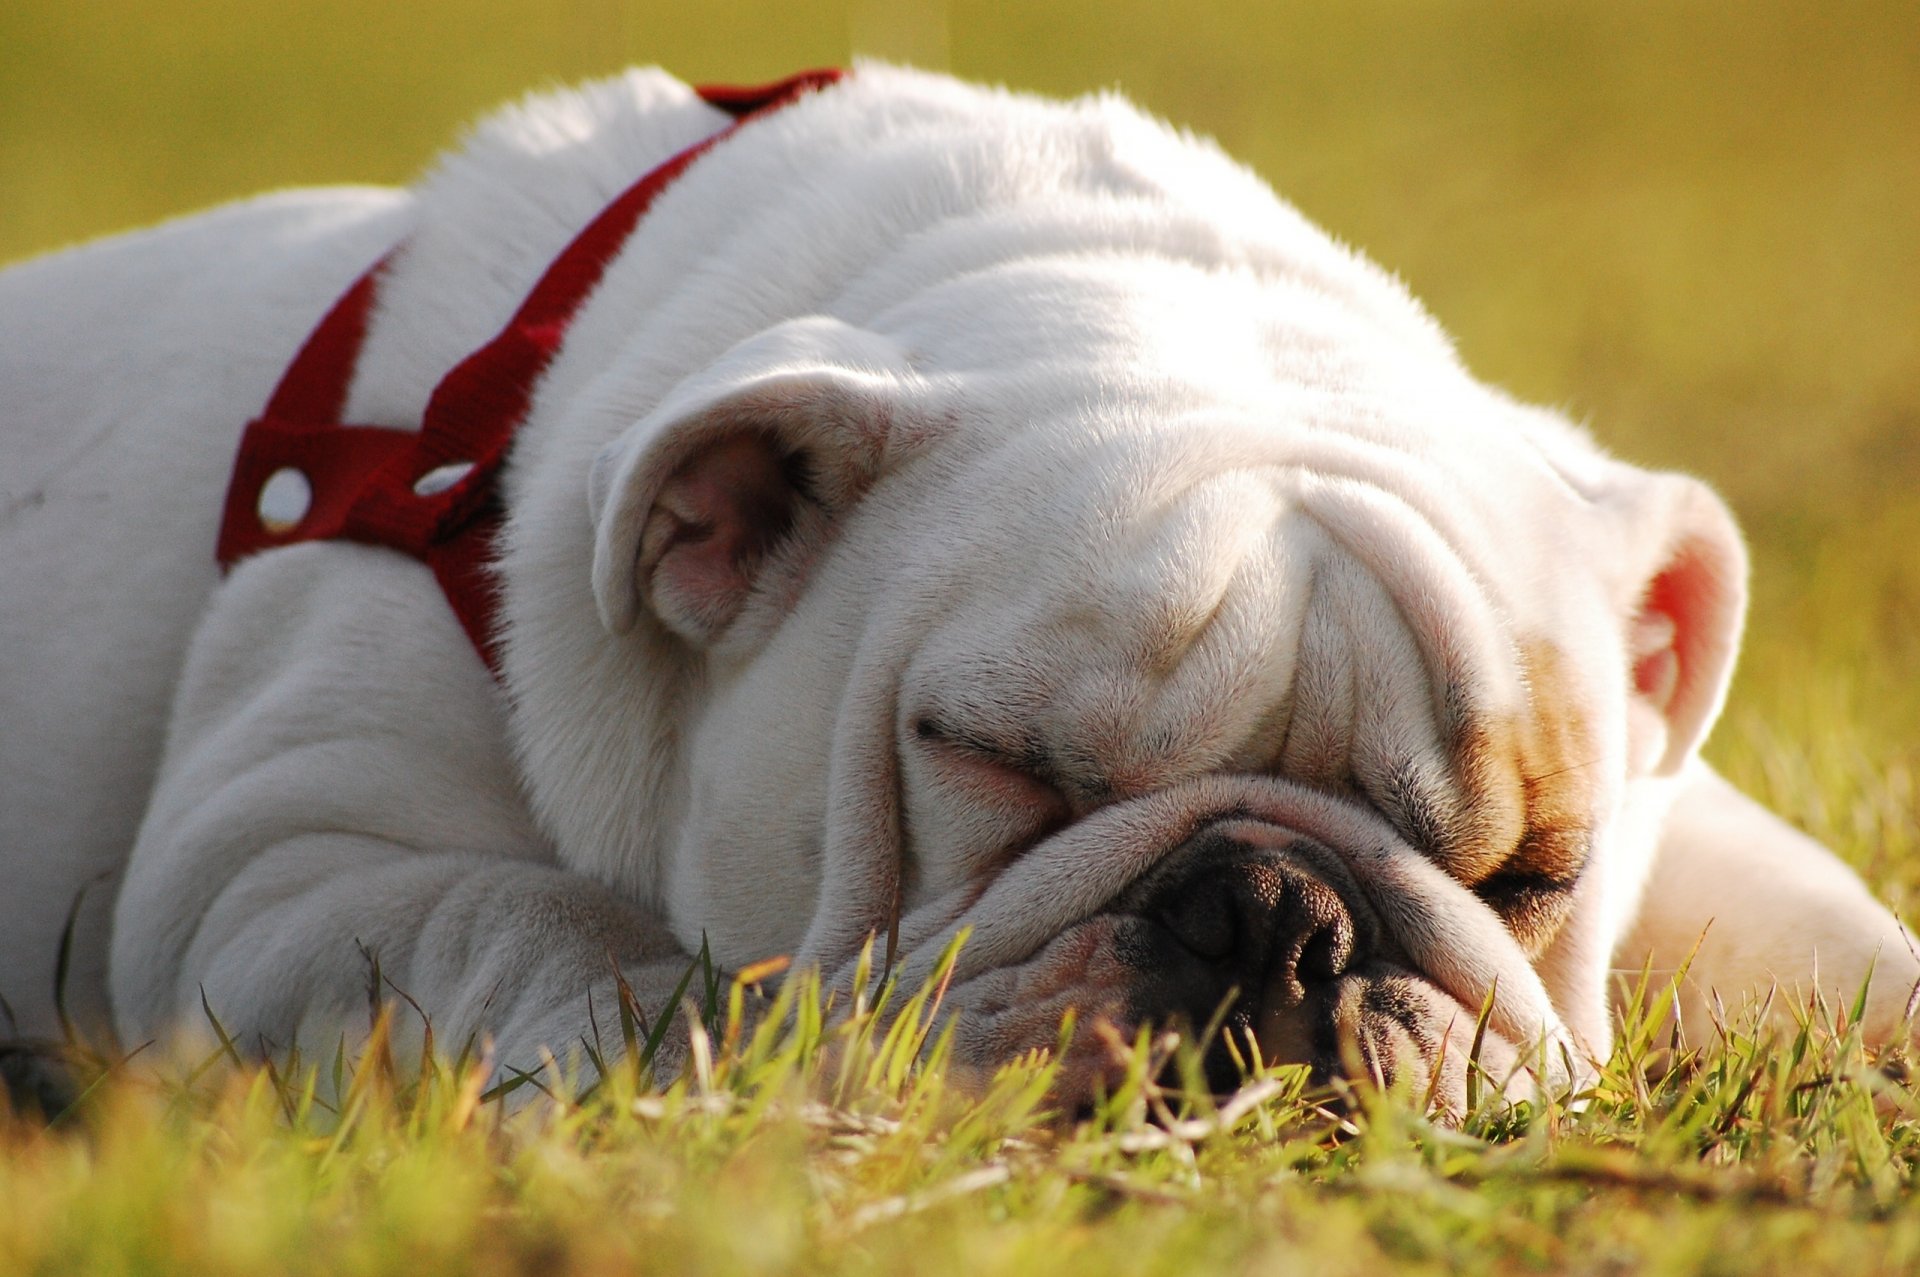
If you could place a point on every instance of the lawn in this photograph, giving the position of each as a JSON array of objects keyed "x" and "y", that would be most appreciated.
[{"x": 1692, "y": 225}]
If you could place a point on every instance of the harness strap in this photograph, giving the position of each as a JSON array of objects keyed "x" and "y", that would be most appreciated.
[{"x": 301, "y": 474}]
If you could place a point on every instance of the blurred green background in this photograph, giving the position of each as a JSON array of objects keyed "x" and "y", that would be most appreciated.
[{"x": 1694, "y": 225}]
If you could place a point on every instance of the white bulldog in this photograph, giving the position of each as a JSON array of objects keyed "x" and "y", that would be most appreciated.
[{"x": 950, "y": 509}]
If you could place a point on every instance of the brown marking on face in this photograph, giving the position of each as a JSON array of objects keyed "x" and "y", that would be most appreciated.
[
  {"x": 1512, "y": 817},
  {"x": 1528, "y": 786}
]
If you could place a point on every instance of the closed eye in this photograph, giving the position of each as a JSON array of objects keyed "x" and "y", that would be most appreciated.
[{"x": 1013, "y": 783}]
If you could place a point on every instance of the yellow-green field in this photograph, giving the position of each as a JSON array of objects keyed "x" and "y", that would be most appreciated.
[{"x": 1694, "y": 225}]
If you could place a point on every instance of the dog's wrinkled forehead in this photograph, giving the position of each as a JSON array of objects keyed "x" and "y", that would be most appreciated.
[
  {"x": 1151, "y": 607},
  {"x": 1132, "y": 621}
]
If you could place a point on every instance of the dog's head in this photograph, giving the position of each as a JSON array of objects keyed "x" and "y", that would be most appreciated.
[{"x": 1090, "y": 526}]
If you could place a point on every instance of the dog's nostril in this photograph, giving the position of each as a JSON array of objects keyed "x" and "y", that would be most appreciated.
[
  {"x": 1326, "y": 951},
  {"x": 1261, "y": 921},
  {"x": 1202, "y": 917},
  {"x": 1235, "y": 914},
  {"x": 1264, "y": 928}
]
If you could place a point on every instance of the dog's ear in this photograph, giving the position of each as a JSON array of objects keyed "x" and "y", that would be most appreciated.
[
  {"x": 741, "y": 473},
  {"x": 1684, "y": 605}
]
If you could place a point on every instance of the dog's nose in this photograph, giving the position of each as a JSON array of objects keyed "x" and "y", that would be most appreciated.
[
  {"x": 1263, "y": 919},
  {"x": 1258, "y": 924}
]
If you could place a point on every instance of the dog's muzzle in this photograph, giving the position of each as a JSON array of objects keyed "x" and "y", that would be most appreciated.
[
  {"x": 1254, "y": 930},
  {"x": 1266, "y": 944},
  {"x": 1296, "y": 925}
]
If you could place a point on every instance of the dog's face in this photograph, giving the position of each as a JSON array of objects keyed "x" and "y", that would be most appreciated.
[{"x": 1177, "y": 632}]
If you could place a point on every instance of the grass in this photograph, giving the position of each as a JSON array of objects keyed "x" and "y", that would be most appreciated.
[
  {"x": 846, "y": 1143},
  {"x": 1689, "y": 223}
]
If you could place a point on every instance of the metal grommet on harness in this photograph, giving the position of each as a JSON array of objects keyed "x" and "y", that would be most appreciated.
[
  {"x": 440, "y": 478},
  {"x": 285, "y": 498}
]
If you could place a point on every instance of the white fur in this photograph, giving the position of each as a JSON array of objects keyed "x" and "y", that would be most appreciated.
[{"x": 1111, "y": 452}]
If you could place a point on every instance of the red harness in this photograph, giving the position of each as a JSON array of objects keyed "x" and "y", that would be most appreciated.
[{"x": 304, "y": 475}]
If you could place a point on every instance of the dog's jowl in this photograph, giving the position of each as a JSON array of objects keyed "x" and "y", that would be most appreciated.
[{"x": 851, "y": 513}]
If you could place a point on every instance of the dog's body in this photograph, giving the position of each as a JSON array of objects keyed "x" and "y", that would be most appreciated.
[{"x": 950, "y": 509}]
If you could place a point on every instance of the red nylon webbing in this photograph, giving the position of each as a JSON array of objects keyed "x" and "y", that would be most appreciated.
[{"x": 366, "y": 481}]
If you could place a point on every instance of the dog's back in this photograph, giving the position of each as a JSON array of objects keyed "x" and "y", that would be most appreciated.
[
  {"x": 128, "y": 369},
  {"x": 122, "y": 368}
]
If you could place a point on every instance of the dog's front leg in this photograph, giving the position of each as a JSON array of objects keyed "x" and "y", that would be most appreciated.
[
  {"x": 1749, "y": 905},
  {"x": 337, "y": 792}
]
